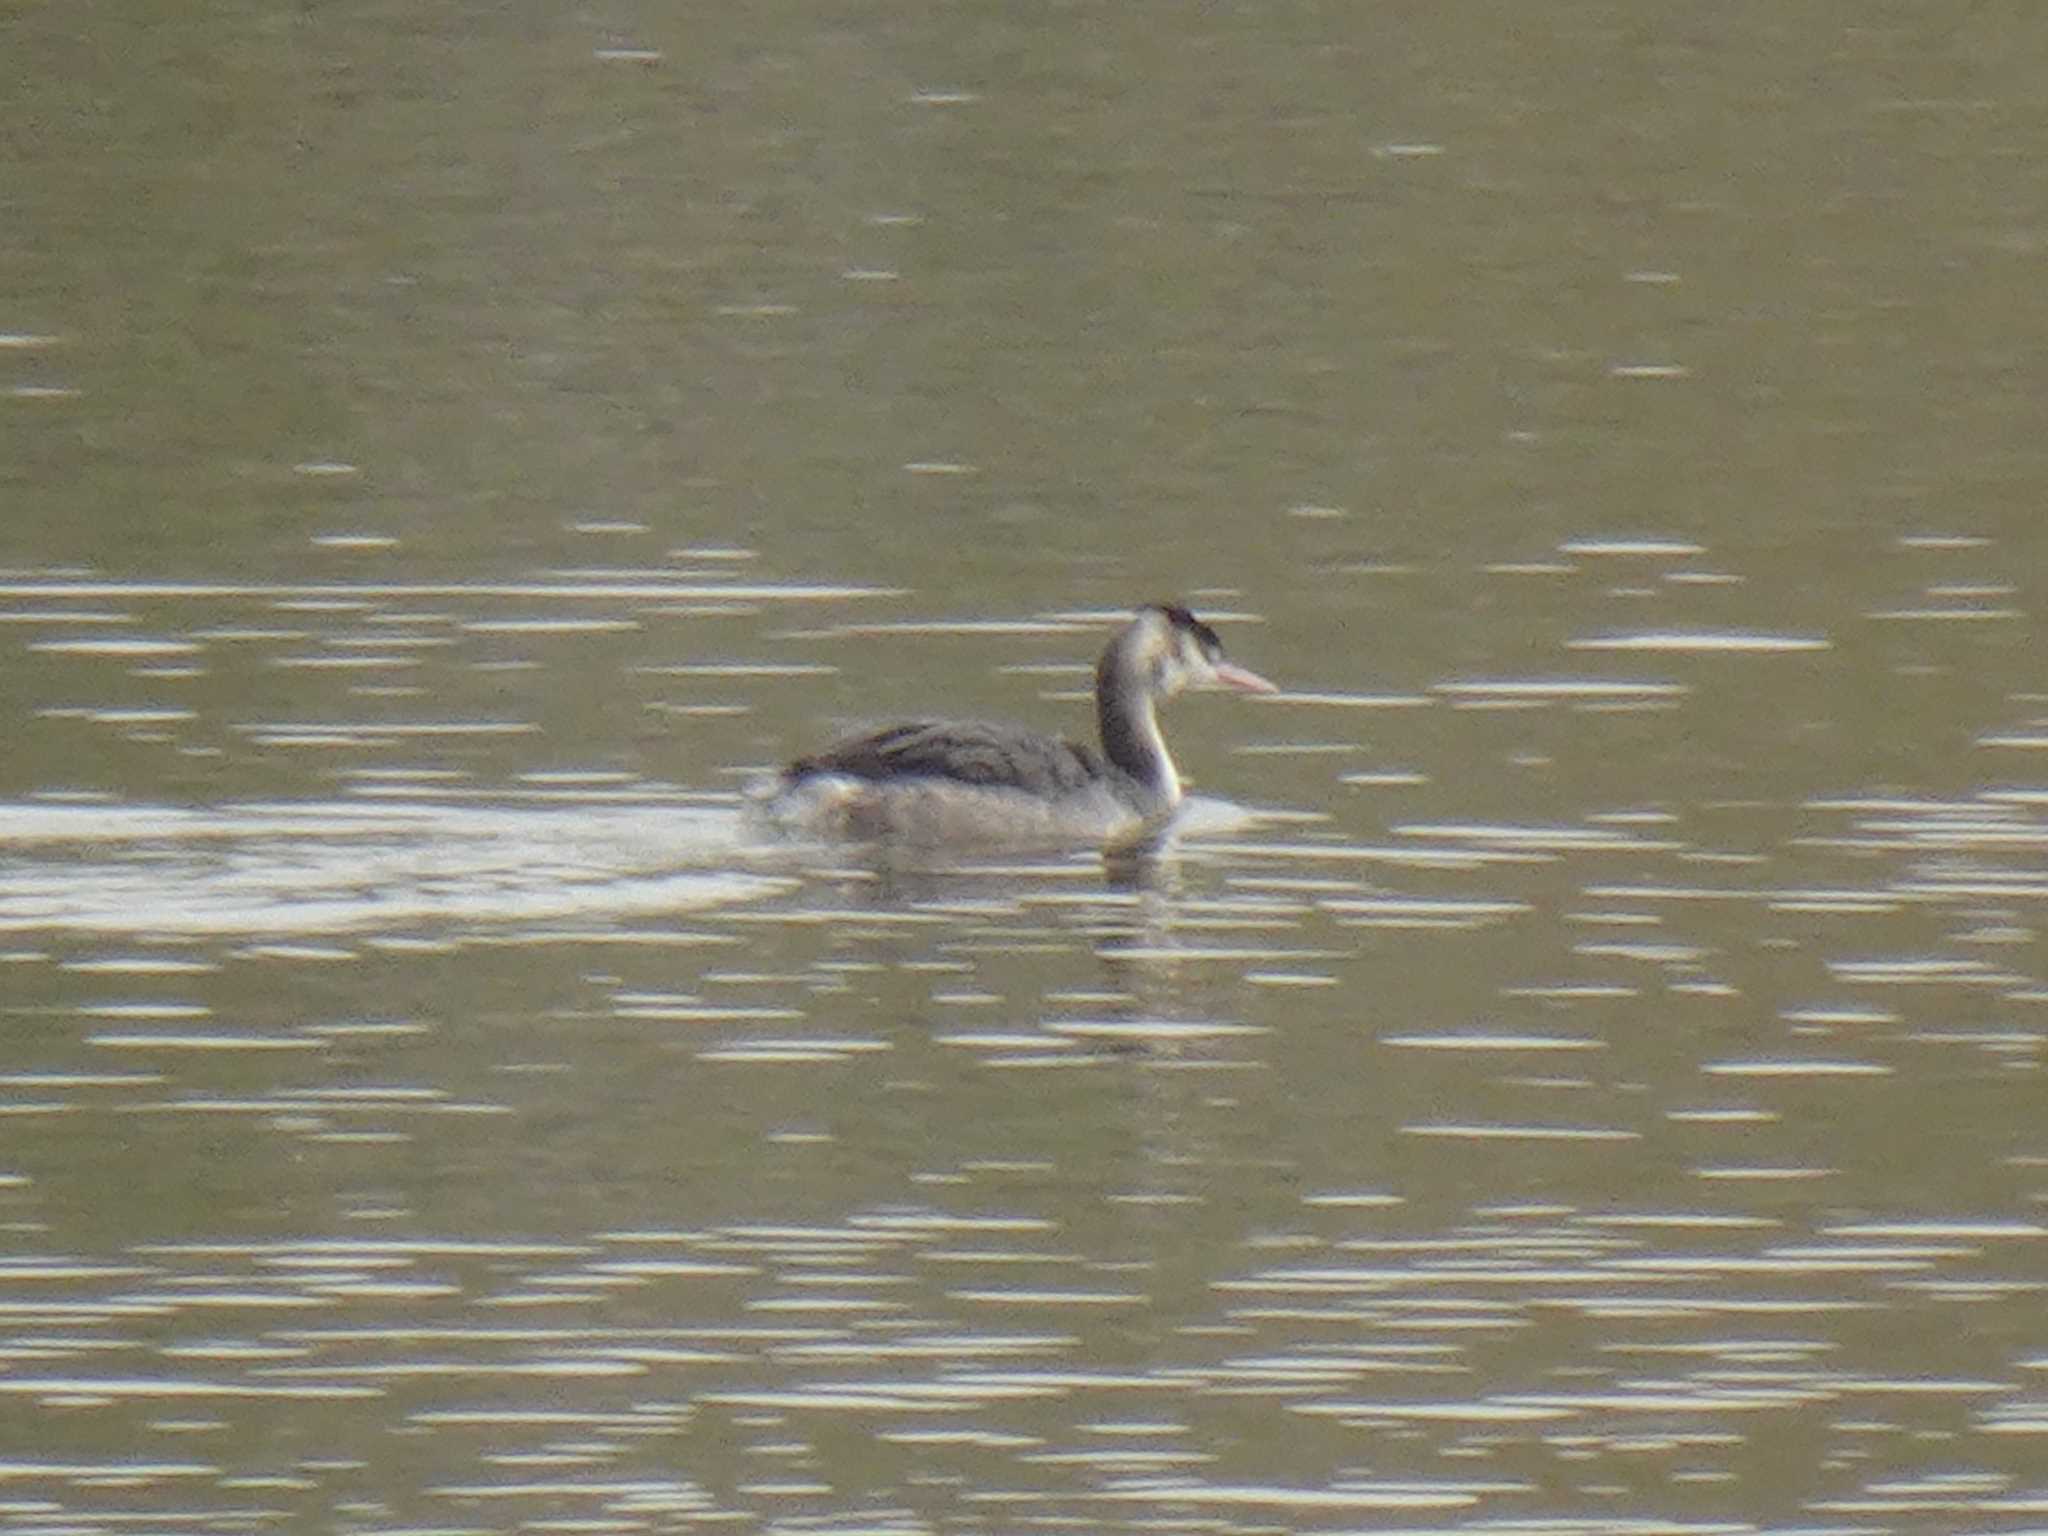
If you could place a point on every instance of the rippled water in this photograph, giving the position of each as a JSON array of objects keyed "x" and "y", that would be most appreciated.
[
  {"x": 486, "y": 1146},
  {"x": 1579, "y": 1067}
]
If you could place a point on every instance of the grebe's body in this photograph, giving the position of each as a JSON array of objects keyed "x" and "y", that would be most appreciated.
[{"x": 944, "y": 782}]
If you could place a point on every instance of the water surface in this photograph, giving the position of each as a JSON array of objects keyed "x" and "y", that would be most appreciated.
[{"x": 1578, "y": 1068}]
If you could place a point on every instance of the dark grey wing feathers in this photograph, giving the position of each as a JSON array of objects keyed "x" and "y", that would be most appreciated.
[{"x": 988, "y": 756}]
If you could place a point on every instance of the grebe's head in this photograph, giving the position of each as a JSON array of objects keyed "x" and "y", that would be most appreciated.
[{"x": 1171, "y": 649}]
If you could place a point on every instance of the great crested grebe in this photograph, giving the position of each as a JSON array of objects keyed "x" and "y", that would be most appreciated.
[{"x": 950, "y": 781}]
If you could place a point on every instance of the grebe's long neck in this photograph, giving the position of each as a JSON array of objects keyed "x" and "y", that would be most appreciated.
[{"x": 1129, "y": 722}]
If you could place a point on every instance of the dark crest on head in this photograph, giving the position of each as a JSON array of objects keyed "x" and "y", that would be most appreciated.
[{"x": 1180, "y": 618}]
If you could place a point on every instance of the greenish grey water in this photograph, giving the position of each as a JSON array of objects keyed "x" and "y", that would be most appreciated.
[{"x": 1580, "y": 1069}]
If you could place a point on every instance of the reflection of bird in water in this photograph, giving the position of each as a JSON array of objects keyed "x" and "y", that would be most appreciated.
[{"x": 948, "y": 781}]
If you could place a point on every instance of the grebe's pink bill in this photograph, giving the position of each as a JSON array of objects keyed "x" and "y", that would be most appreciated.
[{"x": 944, "y": 782}]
